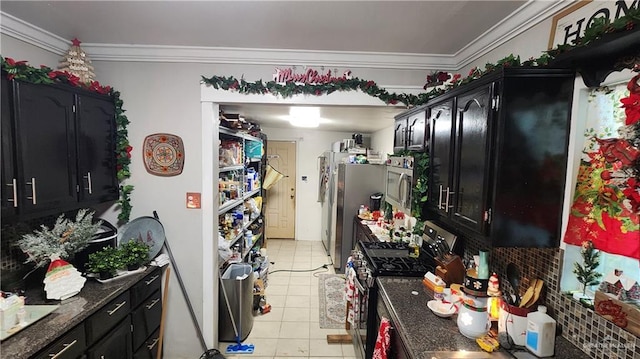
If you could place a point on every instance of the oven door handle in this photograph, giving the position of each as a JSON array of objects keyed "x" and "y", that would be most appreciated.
[
  {"x": 401, "y": 193},
  {"x": 359, "y": 287}
]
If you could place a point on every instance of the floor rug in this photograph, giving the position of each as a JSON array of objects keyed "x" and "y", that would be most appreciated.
[{"x": 332, "y": 301}]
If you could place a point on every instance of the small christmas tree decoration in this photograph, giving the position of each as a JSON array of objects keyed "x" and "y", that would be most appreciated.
[
  {"x": 77, "y": 62},
  {"x": 586, "y": 273}
]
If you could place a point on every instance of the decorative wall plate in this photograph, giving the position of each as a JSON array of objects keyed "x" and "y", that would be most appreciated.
[{"x": 163, "y": 154}]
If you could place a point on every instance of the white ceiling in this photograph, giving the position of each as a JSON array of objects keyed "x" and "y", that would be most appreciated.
[{"x": 427, "y": 30}]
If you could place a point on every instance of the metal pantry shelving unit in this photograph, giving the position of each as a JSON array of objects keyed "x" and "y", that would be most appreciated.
[{"x": 240, "y": 182}]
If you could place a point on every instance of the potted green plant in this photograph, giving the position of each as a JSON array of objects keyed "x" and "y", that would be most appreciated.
[
  {"x": 105, "y": 262},
  {"x": 134, "y": 254}
]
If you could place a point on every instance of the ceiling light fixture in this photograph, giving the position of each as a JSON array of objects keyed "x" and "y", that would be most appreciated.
[{"x": 304, "y": 116}]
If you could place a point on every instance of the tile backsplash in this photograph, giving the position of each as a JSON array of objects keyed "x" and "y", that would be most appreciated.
[{"x": 596, "y": 336}]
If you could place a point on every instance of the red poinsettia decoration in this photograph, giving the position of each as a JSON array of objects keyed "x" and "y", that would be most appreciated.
[
  {"x": 631, "y": 106},
  {"x": 437, "y": 78}
]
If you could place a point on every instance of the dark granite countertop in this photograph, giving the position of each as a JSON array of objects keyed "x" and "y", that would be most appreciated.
[
  {"x": 424, "y": 333},
  {"x": 71, "y": 312}
]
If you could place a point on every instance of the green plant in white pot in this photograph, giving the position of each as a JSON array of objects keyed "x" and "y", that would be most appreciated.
[
  {"x": 134, "y": 254},
  {"x": 105, "y": 263}
]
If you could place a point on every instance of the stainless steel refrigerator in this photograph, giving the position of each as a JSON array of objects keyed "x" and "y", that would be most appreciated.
[
  {"x": 327, "y": 194},
  {"x": 355, "y": 184}
]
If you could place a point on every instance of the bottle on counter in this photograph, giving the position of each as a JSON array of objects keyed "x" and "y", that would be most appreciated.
[
  {"x": 438, "y": 289},
  {"x": 541, "y": 333}
]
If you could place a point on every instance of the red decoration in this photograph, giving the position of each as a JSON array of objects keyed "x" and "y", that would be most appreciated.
[
  {"x": 309, "y": 77},
  {"x": 75, "y": 42},
  {"x": 606, "y": 207},
  {"x": 631, "y": 106}
]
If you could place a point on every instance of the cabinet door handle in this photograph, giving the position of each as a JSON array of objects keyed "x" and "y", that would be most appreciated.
[
  {"x": 66, "y": 346},
  {"x": 155, "y": 341},
  {"x": 118, "y": 306},
  {"x": 446, "y": 204},
  {"x": 33, "y": 190},
  {"x": 89, "y": 185},
  {"x": 440, "y": 198},
  {"x": 151, "y": 279},
  {"x": 150, "y": 305},
  {"x": 14, "y": 188}
]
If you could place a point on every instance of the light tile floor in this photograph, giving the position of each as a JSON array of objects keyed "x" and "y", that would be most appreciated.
[{"x": 292, "y": 328}]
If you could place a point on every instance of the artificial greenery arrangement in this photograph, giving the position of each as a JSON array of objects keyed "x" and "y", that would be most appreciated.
[
  {"x": 586, "y": 273},
  {"x": 20, "y": 70},
  {"x": 105, "y": 262},
  {"x": 65, "y": 239},
  {"x": 108, "y": 261},
  {"x": 419, "y": 196},
  {"x": 134, "y": 254}
]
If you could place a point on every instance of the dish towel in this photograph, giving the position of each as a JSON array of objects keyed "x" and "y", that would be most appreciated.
[
  {"x": 383, "y": 342},
  {"x": 350, "y": 288}
]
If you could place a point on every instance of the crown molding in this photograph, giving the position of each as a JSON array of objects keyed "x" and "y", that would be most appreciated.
[
  {"x": 522, "y": 19},
  {"x": 247, "y": 56},
  {"x": 33, "y": 35}
]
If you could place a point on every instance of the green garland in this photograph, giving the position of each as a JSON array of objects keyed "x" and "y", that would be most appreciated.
[
  {"x": 20, "y": 70},
  {"x": 370, "y": 88},
  {"x": 290, "y": 89}
]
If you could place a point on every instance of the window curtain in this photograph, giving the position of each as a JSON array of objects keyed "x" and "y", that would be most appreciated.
[{"x": 606, "y": 203}]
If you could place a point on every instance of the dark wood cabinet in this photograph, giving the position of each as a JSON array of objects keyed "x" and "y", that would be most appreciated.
[
  {"x": 399, "y": 134},
  {"x": 149, "y": 349},
  {"x": 410, "y": 131},
  {"x": 107, "y": 317},
  {"x": 146, "y": 318},
  {"x": 96, "y": 142},
  {"x": 70, "y": 346},
  {"x": 9, "y": 187},
  {"x": 58, "y": 147},
  {"x": 469, "y": 191},
  {"x": 440, "y": 155},
  {"x": 115, "y": 345},
  {"x": 45, "y": 148},
  {"x": 127, "y": 324},
  {"x": 498, "y": 154}
]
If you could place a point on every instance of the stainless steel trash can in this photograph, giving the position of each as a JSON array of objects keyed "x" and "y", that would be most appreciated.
[{"x": 237, "y": 281}]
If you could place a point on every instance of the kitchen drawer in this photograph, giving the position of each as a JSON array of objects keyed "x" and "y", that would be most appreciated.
[
  {"x": 146, "y": 318},
  {"x": 115, "y": 345},
  {"x": 107, "y": 317},
  {"x": 145, "y": 287},
  {"x": 149, "y": 350},
  {"x": 70, "y": 345}
]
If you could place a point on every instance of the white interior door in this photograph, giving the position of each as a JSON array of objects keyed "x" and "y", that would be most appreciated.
[{"x": 281, "y": 198}]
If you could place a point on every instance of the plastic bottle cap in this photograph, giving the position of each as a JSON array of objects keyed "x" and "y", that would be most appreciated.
[{"x": 542, "y": 308}]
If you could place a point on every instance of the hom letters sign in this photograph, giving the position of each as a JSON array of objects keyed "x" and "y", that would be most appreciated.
[{"x": 569, "y": 25}]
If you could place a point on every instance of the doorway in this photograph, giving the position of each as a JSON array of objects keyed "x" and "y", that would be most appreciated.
[{"x": 280, "y": 205}]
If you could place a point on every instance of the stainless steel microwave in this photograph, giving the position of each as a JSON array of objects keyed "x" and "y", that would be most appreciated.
[{"x": 399, "y": 183}]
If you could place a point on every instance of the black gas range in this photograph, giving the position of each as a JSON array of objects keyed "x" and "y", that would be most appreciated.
[
  {"x": 394, "y": 259},
  {"x": 371, "y": 260}
]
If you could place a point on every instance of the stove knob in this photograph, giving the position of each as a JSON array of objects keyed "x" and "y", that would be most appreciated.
[{"x": 410, "y": 163}]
